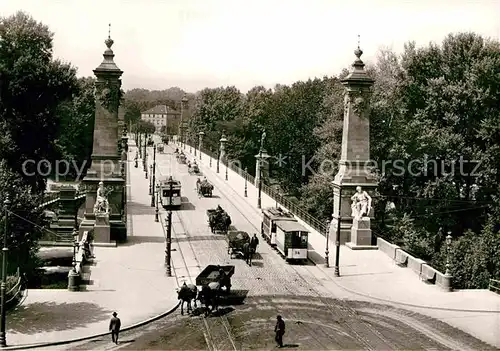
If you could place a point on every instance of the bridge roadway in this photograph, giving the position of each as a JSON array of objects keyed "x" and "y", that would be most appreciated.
[{"x": 320, "y": 314}]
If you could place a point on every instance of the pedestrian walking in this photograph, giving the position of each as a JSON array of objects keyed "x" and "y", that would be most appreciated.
[
  {"x": 114, "y": 327},
  {"x": 279, "y": 329},
  {"x": 254, "y": 242}
]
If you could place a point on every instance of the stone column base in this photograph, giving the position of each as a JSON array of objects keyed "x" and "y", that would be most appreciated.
[
  {"x": 361, "y": 235},
  {"x": 74, "y": 280}
]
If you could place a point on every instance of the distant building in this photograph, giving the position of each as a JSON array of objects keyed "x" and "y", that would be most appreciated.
[{"x": 162, "y": 115}]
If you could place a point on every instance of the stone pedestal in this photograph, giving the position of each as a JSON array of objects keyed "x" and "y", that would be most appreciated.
[
  {"x": 361, "y": 235},
  {"x": 74, "y": 280},
  {"x": 102, "y": 230}
]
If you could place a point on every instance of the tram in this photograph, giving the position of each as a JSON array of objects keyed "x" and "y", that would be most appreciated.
[
  {"x": 270, "y": 216},
  {"x": 291, "y": 240},
  {"x": 167, "y": 194},
  {"x": 282, "y": 231}
]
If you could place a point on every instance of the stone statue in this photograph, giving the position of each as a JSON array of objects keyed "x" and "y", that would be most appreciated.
[
  {"x": 101, "y": 203},
  {"x": 262, "y": 140},
  {"x": 361, "y": 203}
]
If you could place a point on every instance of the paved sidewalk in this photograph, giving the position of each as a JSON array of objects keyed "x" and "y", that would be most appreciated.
[
  {"x": 371, "y": 275},
  {"x": 129, "y": 279}
]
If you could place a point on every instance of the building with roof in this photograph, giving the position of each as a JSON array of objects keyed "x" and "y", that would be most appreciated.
[{"x": 163, "y": 115}]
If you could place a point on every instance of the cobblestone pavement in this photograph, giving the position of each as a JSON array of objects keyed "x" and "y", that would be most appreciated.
[
  {"x": 317, "y": 316},
  {"x": 311, "y": 324}
]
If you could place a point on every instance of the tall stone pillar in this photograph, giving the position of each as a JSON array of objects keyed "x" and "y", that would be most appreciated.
[
  {"x": 106, "y": 157},
  {"x": 354, "y": 165}
]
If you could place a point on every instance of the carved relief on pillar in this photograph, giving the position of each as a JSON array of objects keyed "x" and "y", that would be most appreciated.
[
  {"x": 88, "y": 187},
  {"x": 109, "y": 94},
  {"x": 359, "y": 99}
]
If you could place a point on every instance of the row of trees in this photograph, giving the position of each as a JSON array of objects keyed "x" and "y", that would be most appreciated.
[
  {"x": 46, "y": 114},
  {"x": 436, "y": 106}
]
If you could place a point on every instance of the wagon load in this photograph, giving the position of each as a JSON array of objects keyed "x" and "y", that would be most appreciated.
[
  {"x": 236, "y": 241},
  {"x": 216, "y": 274},
  {"x": 218, "y": 220},
  {"x": 205, "y": 188}
]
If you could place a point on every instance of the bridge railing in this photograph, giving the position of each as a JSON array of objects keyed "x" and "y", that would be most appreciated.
[
  {"x": 495, "y": 286},
  {"x": 292, "y": 206}
]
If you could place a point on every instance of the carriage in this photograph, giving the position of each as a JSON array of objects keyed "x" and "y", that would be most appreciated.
[
  {"x": 204, "y": 188},
  {"x": 236, "y": 241},
  {"x": 193, "y": 168},
  {"x": 216, "y": 274},
  {"x": 181, "y": 158},
  {"x": 218, "y": 220}
]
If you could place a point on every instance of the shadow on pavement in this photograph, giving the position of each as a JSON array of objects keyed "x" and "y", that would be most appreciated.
[
  {"x": 135, "y": 208},
  {"x": 315, "y": 257},
  {"x": 236, "y": 297},
  {"x": 201, "y": 238},
  {"x": 133, "y": 240},
  {"x": 49, "y": 316},
  {"x": 187, "y": 206}
]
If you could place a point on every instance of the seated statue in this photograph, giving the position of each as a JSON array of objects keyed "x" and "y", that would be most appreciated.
[
  {"x": 101, "y": 203},
  {"x": 361, "y": 203}
]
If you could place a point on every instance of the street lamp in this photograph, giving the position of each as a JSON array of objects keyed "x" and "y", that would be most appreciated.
[
  {"x": 73, "y": 275},
  {"x": 200, "y": 136},
  {"x": 448, "y": 243},
  {"x": 246, "y": 176},
  {"x": 169, "y": 229},
  {"x": 210, "y": 157},
  {"x": 150, "y": 179},
  {"x": 327, "y": 235},
  {"x": 153, "y": 183},
  {"x": 337, "y": 237},
  {"x": 3, "y": 311},
  {"x": 191, "y": 143},
  {"x": 227, "y": 165},
  {"x": 261, "y": 156},
  {"x": 218, "y": 160},
  {"x": 222, "y": 147},
  {"x": 157, "y": 200}
]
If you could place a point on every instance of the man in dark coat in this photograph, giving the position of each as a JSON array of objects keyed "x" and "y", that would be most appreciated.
[
  {"x": 279, "y": 329},
  {"x": 254, "y": 242},
  {"x": 114, "y": 327}
]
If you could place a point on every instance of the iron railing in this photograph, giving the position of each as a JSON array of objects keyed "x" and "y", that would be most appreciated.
[
  {"x": 292, "y": 206},
  {"x": 495, "y": 286},
  {"x": 16, "y": 291}
]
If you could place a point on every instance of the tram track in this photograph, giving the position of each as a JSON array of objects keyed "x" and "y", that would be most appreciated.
[
  {"x": 211, "y": 324},
  {"x": 381, "y": 343}
]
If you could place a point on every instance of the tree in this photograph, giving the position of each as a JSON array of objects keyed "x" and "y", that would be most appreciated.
[
  {"x": 76, "y": 126},
  {"x": 32, "y": 87},
  {"x": 23, "y": 236}
]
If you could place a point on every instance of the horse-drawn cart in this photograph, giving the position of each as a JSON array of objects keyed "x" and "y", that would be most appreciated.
[
  {"x": 216, "y": 274},
  {"x": 236, "y": 241},
  {"x": 218, "y": 220},
  {"x": 181, "y": 158},
  {"x": 193, "y": 168},
  {"x": 205, "y": 188}
]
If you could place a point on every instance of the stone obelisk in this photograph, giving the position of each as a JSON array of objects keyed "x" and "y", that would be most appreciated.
[
  {"x": 106, "y": 157},
  {"x": 354, "y": 165}
]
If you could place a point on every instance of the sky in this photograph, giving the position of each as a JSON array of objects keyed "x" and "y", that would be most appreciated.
[{"x": 194, "y": 44}]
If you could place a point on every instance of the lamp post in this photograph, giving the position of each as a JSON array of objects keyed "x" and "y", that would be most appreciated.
[
  {"x": 227, "y": 165},
  {"x": 327, "y": 235},
  {"x": 218, "y": 160},
  {"x": 246, "y": 176},
  {"x": 222, "y": 147},
  {"x": 210, "y": 157},
  {"x": 191, "y": 143},
  {"x": 337, "y": 237},
  {"x": 169, "y": 230},
  {"x": 194, "y": 142},
  {"x": 157, "y": 219},
  {"x": 73, "y": 275},
  {"x": 261, "y": 156},
  {"x": 3, "y": 311},
  {"x": 150, "y": 179},
  {"x": 153, "y": 183},
  {"x": 448, "y": 243},
  {"x": 145, "y": 152},
  {"x": 200, "y": 136}
]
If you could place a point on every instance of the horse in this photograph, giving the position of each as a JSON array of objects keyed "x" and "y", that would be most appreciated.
[
  {"x": 209, "y": 296},
  {"x": 225, "y": 222},
  {"x": 248, "y": 251},
  {"x": 187, "y": 293}
]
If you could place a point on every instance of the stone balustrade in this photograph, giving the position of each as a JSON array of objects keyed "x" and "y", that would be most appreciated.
[{"x": 426, "y": 273}]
